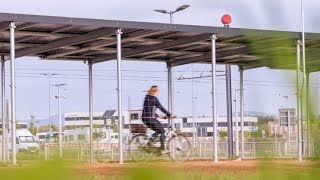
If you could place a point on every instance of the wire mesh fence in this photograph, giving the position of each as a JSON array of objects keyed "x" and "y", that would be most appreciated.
[{"x": 203, "y": 151}]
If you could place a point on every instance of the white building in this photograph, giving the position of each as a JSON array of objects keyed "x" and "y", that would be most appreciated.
[{"x": 109, "y": 119}]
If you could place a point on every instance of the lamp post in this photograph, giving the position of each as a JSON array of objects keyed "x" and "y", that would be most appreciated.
[
  {"x": 236, "y": 121},
  {"x": 49, "y": 75},
  {"x": 178, "y": 9},
  {"x": 59, "y": 96},
  {"x": 170, "y": 68}
]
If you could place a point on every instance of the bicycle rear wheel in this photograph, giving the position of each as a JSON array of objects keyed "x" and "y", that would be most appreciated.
[
  {"x": 179, "y": 147},
  {"x": 139, "y": 148}
]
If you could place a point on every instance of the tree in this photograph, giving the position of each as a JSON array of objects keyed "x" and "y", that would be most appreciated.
[
  {"x": 54, "y": 128},
  {"x": 32, "y": 127},
  {"x": 223, "y": 134}
]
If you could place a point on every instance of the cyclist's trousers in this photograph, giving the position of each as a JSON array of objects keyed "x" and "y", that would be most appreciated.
[{"x": 156, "y": 126}]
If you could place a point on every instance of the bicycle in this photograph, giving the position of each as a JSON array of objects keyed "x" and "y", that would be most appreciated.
[{"x": 142, "y": 147}]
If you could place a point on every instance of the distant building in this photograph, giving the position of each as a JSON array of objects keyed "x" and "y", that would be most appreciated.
[
  {"x": 78, "y": 120},
  {"x": 287, "y": 123},
  {"x": 109, "y": 119},
  {"x": 287, "y": 115}
]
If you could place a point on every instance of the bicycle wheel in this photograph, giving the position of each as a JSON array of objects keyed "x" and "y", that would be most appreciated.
[
  {"x": 139, "y": 148},
  {"x": 179, "y": 147}
]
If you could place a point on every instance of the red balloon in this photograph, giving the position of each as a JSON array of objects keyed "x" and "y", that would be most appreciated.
[{"x": 226, "y": 19}]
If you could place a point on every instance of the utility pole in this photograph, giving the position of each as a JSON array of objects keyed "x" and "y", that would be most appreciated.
[{"x": 59, "y": 96}]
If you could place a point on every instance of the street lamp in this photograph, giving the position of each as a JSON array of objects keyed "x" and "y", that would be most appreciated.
[
  {"x": 49, "y": 75},
  {"x": 236, "y": 121},
  {"x": 178, "y": 9},
  {"x": 59, "y": 96}
]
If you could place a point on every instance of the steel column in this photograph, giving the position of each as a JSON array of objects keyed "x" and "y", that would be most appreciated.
[
  {"x": 170, "y": 91},
  {"x": 229, "y": 110},
  {"x": 308, "y": 113},
  {"x": 299, "y": 102},
  {"x": 241, "y": 111},
  {"x": 9, "y": 130},
  {"x": 3, "y": 96},
  {"x": 193, "y": 113},
  {"x": 119, "y": 90},
  {"x": 13, "y": 90},
  {"x": 236, "y": 122},
  {"x": 60, "y": 121},
  {"x": 49, "y": 118},
  {"x": 91, "y": 110},
  {"x": 289, "y": 126},
  {"x": 214, "y": 98}
]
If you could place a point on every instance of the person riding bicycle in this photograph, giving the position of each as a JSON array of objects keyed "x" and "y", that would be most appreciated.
[{"x": 149, "y": 116}]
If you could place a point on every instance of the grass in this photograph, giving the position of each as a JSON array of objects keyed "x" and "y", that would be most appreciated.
[{"x": 286, "y": 170}]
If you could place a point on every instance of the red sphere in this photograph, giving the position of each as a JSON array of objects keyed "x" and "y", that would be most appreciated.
[{"x": 226, "y": 19}]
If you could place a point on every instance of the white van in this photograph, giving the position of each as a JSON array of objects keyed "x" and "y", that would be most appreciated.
[{"x": 25, "y": 141}]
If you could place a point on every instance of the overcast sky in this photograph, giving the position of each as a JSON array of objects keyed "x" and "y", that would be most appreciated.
[{"x": 264, "y": 88}]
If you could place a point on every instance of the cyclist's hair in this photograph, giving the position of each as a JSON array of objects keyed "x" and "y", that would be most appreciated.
[{"x": 153, "y": 90}]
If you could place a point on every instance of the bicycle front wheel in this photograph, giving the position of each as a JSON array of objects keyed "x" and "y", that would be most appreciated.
[
  {"x": 139, "y": 148},
  {"x": 179, "y": 147}
]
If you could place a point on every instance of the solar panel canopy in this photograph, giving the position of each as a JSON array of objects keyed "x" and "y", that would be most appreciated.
[{"x": 79, "y": 39}]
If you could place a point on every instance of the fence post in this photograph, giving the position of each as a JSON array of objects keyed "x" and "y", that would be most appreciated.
[
  {"x": 98, "y": 150},
  {"x": 79, "y": 151},
  {"x": 200, "y": 149},
  {"x": 112, "y": 152},
  {"x": 45, "y": 152},
  {"x": 286, "y": 149},
  {"x": 254, "y": 149},
  {"x": 279, "y": 149},
  {"x": 39, "y": 151},
  {"x": 227, "y": 149}
]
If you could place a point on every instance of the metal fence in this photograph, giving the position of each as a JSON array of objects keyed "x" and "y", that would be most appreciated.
[{"x": 203, "y": 150}]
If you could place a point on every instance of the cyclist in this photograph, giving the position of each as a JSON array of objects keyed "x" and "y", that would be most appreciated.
[{"x": 149, "y": 116}]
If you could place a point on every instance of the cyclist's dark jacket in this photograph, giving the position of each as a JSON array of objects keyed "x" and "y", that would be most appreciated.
[{"x": 151, "y": 103}]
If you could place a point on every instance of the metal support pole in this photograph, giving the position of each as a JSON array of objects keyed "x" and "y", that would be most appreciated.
[
  {"x": 119, "y": 78},
  {"x": 171, "y": 17},
  {"x": 3, "y": 96},
  {"x": 289, "y": 126},
  {"x": 60, "y": 122},
  {"x": 129, "y": 110},
  {"x": 214, "y": 98},
  {"x": 193, "y": 113},
  {"x": 308, "y": 114},
  {"x": 299, "y": 103},
  {"x": 49, "y": 99},
  {"x": 236, "y": 122},
  {"x": 9, "y": 130},
  {"x": 229, "y": 110},
  {"x": 241, "y": 111},
  {"x": 91, "y": 110},
  {"x": 13, "y": 90},
  {"x": 170, "y": 92}
]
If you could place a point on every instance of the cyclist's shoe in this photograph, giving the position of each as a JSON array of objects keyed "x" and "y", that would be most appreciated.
[
  {"x": 145, "y": 149},
  {"x": 165, "y": 151},
  {"x": 157, "y": 153},
  {"x": 155, "y": 139}
]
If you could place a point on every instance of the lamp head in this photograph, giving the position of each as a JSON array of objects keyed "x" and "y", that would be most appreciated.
[
  {"x": 181, "y": 8},
  {"x": 161, "y": 11}
]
